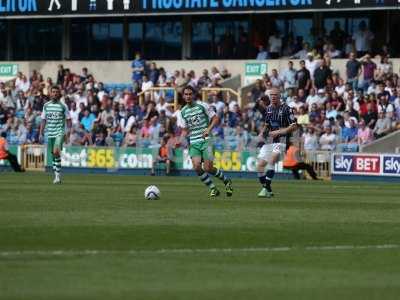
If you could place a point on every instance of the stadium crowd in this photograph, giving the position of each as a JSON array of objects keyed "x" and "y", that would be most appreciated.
[
  {"x": 275, "y": 44},
  {"x": 335, "y": 111}
]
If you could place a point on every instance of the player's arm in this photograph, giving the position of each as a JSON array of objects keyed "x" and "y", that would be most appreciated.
[
  {"x": 283, "y": 131},
  {"x": 212, "y": 116},
  {"x": 42, "y": 124},
  {"x": 290, "y": 120},
  {"x": 214, "y": 122},
  {"x": 68, "y": 118},
  {"x": 180, "y": 121}
]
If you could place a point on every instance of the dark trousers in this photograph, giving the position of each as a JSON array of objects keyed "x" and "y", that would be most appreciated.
[
  {"x": 303, "y": 166},
  {"x": 12, "y": 159}
]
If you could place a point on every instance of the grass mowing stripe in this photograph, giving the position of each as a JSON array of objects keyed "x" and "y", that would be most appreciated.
[{"x": 189, "y": 251}]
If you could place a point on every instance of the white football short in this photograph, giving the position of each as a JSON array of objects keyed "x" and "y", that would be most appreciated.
[{"x": 267, "y": 149}]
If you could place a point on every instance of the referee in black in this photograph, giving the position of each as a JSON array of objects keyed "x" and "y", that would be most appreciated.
[{"x": 279, "y": 125}]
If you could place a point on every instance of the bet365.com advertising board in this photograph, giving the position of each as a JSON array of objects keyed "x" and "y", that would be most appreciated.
[
  {"x": 366, "y": 164},
  {"x": 142, "y": 158}
]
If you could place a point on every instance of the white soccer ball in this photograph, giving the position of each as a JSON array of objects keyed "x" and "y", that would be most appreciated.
[{"x": 152, "y": 193}]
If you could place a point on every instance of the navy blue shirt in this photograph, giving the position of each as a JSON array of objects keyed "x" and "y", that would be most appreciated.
[{"x": 276, "y": 118}]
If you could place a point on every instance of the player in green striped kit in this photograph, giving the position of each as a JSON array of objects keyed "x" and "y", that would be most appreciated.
[
  {"x": 197, "y": 121},
  {"x": 54, "y": 116}
]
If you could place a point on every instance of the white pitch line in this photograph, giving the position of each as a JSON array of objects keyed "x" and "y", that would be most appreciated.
[{"x": 192, "y": 251}]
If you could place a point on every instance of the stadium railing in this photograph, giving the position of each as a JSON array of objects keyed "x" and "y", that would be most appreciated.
[
  {"x": 229, "y": 93},
  {"x": 33, "y": 157},
  {"x": 320, "y": 161},
  {"x": 161, "y": 91}
]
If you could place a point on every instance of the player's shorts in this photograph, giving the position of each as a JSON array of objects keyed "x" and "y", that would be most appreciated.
[
  {"x": 204, "y": 149},
  {"x": 55, "y": 143},
  {"x": 267, "y": 149}
]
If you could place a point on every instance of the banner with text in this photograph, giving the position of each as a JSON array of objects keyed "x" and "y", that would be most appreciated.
[
  {"x": 71, "y": 8},
  {"x": 137, "y": 158},
  {"x": 366, "y": 164},
  {"x": 261, "y": 5}
]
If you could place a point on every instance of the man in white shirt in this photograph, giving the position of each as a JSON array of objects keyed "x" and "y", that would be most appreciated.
[
  {"x": 275, "y": 45},
  {"x": 341, "y": 88},
  {"x": 23, "y": 84},
  {"x": 328, "y": 139},
  {"x": 275, "y": 80},
  {"x": 162, "y": 105},
  {"x": 74, "y": 114},
  {"x": 295, "y": 104},
  {"x": 289, "y": 77},
  {"x": 79, "y": 98},
  {"x": 312, "y": 98},
  {"x": 312, "y": 64},
  {"x": 146, "y": 85},
  {"x": 362, "y": 39}
]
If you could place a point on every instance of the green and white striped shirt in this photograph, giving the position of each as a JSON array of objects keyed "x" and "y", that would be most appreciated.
[
  {"x": 196, "y": 118},
  {"x": 55, "y": 114}
]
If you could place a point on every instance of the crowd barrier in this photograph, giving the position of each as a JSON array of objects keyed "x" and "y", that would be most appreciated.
[{"x": 326, "y": 164}]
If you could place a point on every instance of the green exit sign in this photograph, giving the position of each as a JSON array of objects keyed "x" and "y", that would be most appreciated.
[
  {"x": 255, "y": 69},
  {"x": 8, "y": 70}
]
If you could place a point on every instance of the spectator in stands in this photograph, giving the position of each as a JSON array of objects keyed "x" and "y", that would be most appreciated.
[
  {"x": 328, "y": 139},
  {"x": 353, "y": 70},
  {"x": 384, "y": 69},
  {"x": 242, "y": 47},
  {"x": 337, "y": 36},
  {"x": 289, "y": 77},
  {"x": 369, "y": 68},
  {"x": 332, "y": 52},
  {"x": 153, "y": 73},
  {"x": 349, "y": 134},
  {"x": 226, "y": 45},
  {"x": 257, "y": 91},
  {"x": 311, "y": 64},
  {"x": 321, "y": 75},
  {"x": 224, "y": 73},
  {"x": 310, "y": 139},
  {"x": 275, "y": 45},
  {"x": 204, "y": 80},
  {"x": 131, "y": 138},
  {"x": 146, "y": 85},
  {"x": 303, "y": 77},
  {"x": 364, "y": 134},
  {"x": 262, "y": 53},
  {"x": 363, "y": 39},
  {"x": 303, "y": 53},
  {"x": 382, "y": 126},
  {"x": 371, "y": 116},
  {"x": 138, "y": 68},
  {"x": 276, "y": 81},
  {"x": 60, "y": 75},
  {"x": 312, "y": 98},
  {"x": 88, "y": 120},
  {"x": 302, "y": 117}
]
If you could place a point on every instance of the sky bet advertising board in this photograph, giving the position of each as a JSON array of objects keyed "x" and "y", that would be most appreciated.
[
  {"x": 70, "y": 8},
  {"x": 366, "y": 164}
]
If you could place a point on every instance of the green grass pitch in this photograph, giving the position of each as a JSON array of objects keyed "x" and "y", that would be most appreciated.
[{"x": 96, "y": 237}]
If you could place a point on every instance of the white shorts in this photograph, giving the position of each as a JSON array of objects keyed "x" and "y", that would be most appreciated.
[{"x": 267, "y": 149}]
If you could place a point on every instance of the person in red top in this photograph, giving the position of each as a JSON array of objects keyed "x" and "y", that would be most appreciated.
[
  {"x": 7, "y": 155},
  {"x": 164, "y": 156},
  {"x": 294, "y": 162}
]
